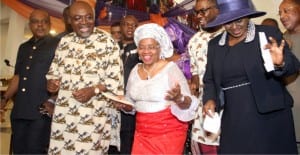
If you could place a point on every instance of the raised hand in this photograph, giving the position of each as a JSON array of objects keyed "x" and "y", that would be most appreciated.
[
  {"x": 276, "y": 51},
  {"x": 174, "y": 94}
]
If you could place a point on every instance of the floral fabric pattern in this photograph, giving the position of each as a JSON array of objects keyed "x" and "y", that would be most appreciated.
[
  {"x": 197, "y": 49},
  {"x": 85, "y": 128}
]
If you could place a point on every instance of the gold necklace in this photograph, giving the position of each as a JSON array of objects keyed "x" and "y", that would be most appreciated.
[{"x": 150, "y": 70}]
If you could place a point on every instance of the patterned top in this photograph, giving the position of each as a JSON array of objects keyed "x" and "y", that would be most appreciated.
[
  {"x": 197, "y": 49},
  {"x": 85, "y": 128}
]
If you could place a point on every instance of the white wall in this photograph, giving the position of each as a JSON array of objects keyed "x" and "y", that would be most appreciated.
[
  {"x": 12, "y": 35},
  {"x": 269, "y": 6}
]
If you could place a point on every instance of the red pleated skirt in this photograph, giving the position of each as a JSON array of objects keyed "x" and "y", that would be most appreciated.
[{"x": 159, "y": 133}]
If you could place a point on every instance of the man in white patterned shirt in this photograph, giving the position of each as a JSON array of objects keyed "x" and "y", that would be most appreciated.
[
  {"x": 206, "y": 11},
  {"x": 86, "y": 63}
]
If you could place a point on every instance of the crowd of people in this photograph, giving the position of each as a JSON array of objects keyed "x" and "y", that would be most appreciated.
[{"x": 173, "y": 83}]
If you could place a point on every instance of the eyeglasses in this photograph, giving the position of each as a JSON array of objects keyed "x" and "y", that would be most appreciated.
[
  {"x": 148, "y": 48},
  {"x": 203, "y": 10}
]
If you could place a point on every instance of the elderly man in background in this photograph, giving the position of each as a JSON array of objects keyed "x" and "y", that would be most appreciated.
[
  {"x": 289, "y": 12},
  {"x": 30, "y": 128},
  {"x": 86, "y": 63}
]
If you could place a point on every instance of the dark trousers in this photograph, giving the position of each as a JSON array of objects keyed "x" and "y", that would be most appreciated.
[
  {"x": 127, "y": 133},
  {"x": 113, "y": 150},
  {"x": 126, "y": 141},
  {"x": 31, "y": 136}
]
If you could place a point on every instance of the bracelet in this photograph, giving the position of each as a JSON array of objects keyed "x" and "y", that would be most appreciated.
[
  {"x": 51, "y": 100},
  {"x": 182, "y": 99}
]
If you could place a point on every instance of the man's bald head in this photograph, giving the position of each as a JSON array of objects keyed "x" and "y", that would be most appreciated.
[
  {"x": 82, "y": 18},
  {"x": 39, "y": 23}
]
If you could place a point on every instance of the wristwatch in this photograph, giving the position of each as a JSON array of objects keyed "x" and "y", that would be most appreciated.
[{"x": 96, "y": 90}]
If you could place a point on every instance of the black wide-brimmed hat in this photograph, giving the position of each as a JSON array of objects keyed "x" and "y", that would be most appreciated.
[{"x": 230, "y": 10}]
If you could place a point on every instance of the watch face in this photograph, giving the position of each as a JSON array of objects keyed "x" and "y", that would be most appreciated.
[{"x": 97, "y": 90}]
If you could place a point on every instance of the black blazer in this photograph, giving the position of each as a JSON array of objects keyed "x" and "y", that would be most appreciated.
[{"x": 269, "y": 91}]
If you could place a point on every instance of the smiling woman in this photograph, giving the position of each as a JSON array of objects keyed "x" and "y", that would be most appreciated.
[
  {"x": 160, "y": 94},
  {"x": 255, "y": 100}
]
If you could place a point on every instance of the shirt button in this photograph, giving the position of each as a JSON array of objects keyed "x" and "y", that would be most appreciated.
[
  {"x": 24, "y": 78},
  {"x": 27, "y": 67},
  {"x": 23, "y": 89},
  {"x": 30, "y": 57},
  {"x": 34, "y": 47}
]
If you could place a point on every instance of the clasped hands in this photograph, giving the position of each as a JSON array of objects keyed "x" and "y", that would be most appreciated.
[{"x": 81, "y": 95}]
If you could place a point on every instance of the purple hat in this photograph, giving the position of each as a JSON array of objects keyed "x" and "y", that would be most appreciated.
[{"x": 230, "y": 10}]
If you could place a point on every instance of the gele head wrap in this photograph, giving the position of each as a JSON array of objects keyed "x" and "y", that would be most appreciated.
[{"x": 157, "y": 33}]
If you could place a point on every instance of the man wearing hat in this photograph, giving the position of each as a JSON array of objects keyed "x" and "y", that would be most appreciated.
[{"x": 257, "y": 116}]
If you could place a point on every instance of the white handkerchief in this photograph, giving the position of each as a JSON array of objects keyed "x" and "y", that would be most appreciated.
[
  {"x": 266, "y": 55},
  {"x": 212, "y": 124}
]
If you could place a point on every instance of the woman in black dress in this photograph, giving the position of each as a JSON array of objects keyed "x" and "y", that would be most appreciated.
[{"x": 257, "y": 117}]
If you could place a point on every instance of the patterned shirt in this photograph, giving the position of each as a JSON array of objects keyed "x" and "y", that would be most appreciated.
[
  {"x": 85, "y": 128},
  {"x": 197, "y": 49}
]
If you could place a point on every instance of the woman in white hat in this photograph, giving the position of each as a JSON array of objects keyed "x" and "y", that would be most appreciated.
[
  {"x": 162, "y": 100},
  {"x": 257, "y": 117}
]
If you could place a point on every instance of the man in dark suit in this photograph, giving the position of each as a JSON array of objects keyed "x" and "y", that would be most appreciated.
[{"x": 30, "y": 128}]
